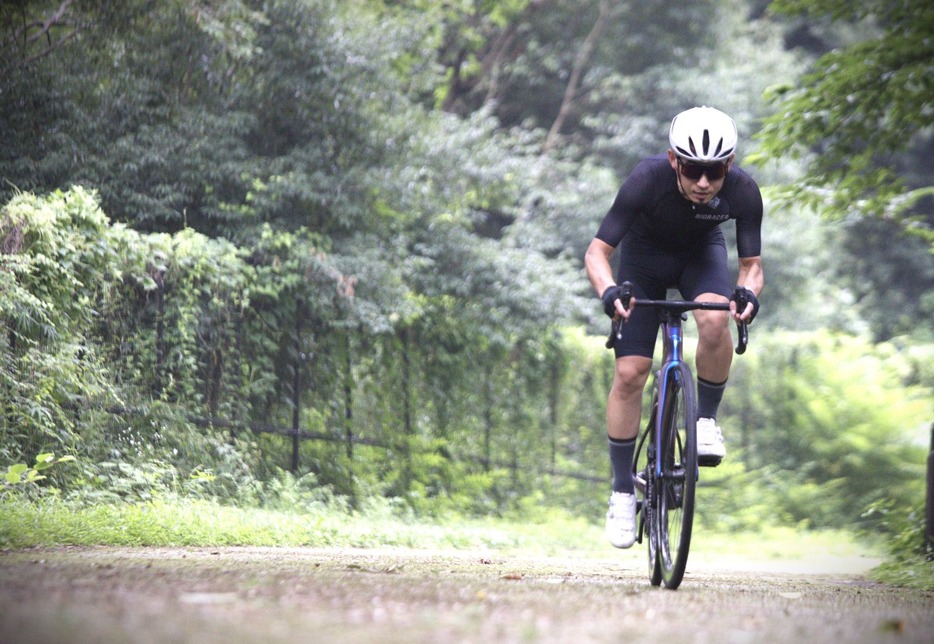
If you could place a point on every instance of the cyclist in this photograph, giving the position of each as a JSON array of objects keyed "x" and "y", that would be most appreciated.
[{"x": 666, "y": 220}]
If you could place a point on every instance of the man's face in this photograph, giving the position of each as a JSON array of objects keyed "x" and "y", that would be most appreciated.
[{"x": 699, "y": 183}]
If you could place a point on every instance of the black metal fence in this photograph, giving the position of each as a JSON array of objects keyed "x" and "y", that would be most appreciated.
[{"x": 350, "y": 440}]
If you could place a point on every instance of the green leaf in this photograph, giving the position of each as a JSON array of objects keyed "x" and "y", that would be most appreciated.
[
  {"x": 17, "y": 469},
  {"x": 12, "y": 476},
  {"x": 44, "y": 461}
]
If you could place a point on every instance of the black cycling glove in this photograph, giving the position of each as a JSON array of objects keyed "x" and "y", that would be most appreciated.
[
  {"x": 751, "y": 298},
  {"x": 610, "y": 295}
]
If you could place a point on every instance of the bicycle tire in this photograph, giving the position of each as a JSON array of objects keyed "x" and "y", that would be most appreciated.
[
  {"x": 643, "y": 470},
  {"x": 673, "y": 505}
]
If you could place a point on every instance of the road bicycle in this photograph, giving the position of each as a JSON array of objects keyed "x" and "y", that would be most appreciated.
[{"x": 665, "y": 465}]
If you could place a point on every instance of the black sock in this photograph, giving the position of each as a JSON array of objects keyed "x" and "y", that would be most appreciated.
[
  {"x": 621, "y": 452},
  {"x": 709, "y": 395}
]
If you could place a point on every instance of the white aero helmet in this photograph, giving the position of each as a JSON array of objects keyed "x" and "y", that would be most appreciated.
[{"x": 703, "y": 134}]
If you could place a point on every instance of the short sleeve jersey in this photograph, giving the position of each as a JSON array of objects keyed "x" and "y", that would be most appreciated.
[{"x": 649, "y": 208}]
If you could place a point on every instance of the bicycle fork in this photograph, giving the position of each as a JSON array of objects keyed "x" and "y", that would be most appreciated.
[
  {"x": 667, "y": 380},
  {"x": 644, "y": 479}
]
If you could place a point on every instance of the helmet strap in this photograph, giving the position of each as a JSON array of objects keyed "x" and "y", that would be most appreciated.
[{"x": 681, "y": 187}]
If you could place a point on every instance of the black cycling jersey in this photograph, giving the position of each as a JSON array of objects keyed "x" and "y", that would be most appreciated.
[
  {"x": 669, "y": 242},
  {"x": 650, "y": 207}
]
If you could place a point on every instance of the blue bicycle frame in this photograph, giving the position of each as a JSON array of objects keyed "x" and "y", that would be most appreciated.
[{"x": 672, "y": 338}]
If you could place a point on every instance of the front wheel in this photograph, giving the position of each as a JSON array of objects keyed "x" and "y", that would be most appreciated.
[{"x": 673, "y": 506}]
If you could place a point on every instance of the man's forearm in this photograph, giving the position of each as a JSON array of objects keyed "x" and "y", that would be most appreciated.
[{"x": 750, "y": 274}]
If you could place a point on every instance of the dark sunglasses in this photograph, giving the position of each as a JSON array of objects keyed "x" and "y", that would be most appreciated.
[{"x": 694, "y": 171}]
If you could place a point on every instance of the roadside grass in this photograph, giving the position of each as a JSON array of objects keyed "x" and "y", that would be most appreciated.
[
  {"x": 909, "y": 571},
  {"x": 52, "y": 522},
  {"x": 197, "y": 523}
]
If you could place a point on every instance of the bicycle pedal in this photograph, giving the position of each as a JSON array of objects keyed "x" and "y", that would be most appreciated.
[{"x": 709, "y": 461}]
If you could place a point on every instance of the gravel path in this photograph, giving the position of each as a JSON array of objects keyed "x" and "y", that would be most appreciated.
[{"x": 233, "y": 595}]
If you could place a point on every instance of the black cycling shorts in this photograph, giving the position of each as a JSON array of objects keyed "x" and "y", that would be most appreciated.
[{"x": 701, "y": 268}]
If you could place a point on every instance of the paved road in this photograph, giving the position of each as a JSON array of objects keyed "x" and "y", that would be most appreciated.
[{"x": 234, "y": 595}]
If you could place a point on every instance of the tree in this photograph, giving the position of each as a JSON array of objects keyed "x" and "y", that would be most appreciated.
[
  {"x": 857, "y": 113},
  {"x": 30, "y": 36},
  {"x": 128, "y": 98}
]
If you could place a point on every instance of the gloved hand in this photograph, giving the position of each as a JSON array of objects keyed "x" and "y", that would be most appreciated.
[
  {"x": 750, "y": 298},
  {"x": 610, "y": 295}
]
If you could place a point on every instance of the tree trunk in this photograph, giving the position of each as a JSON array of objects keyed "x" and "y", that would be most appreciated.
[{"x": 580, "y": 64}]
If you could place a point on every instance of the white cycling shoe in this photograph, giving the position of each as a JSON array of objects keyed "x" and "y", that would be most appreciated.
[
  {"x": 621, "y": 520},
  {"x": 710, "y": 447}
]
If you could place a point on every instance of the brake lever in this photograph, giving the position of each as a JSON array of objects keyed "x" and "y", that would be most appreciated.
[
  {"x": 743, "y": 337},
  {"x": 742, "y": 328},
  {"x": 615, "y": 334},
  {"x": 616, "y": 331}
]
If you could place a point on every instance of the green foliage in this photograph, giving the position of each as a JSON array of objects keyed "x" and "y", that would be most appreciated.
[
  {"x": 479, "y": 416},
  {"x": 910, "y": 561},
  {"x": 818, "y": 412},
  {"x": 890, "y": 275},
  {"x": 23, "y": 480},
  {"x": 733, "y": 497},
  {"x": 57, "y": 269},
  {"x": 198, "y": 328},
  {"x": 796, "y": 297},
  {"x": 856, "y": 110}
]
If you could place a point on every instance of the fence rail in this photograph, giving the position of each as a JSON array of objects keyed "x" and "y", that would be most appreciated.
[{"x": 299, "y": 435}]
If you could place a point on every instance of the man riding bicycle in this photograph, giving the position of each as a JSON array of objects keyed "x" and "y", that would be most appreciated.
[{"x": 666, "y": 220}]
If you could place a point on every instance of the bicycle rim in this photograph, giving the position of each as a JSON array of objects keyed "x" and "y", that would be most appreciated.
[{"x": 674, "y": 491}]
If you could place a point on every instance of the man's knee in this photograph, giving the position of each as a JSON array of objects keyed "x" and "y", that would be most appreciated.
[
  {"x": 632, "y": 372},
  {"x": 713, "y": 326}
]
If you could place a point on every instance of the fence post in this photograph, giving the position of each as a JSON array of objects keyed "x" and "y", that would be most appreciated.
[
  {"x": 297, "y": 384},
  {"x": 348, "y": 417},
  {"x": 158, "y": 276},
  {"x": 929, "y": 514}
]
